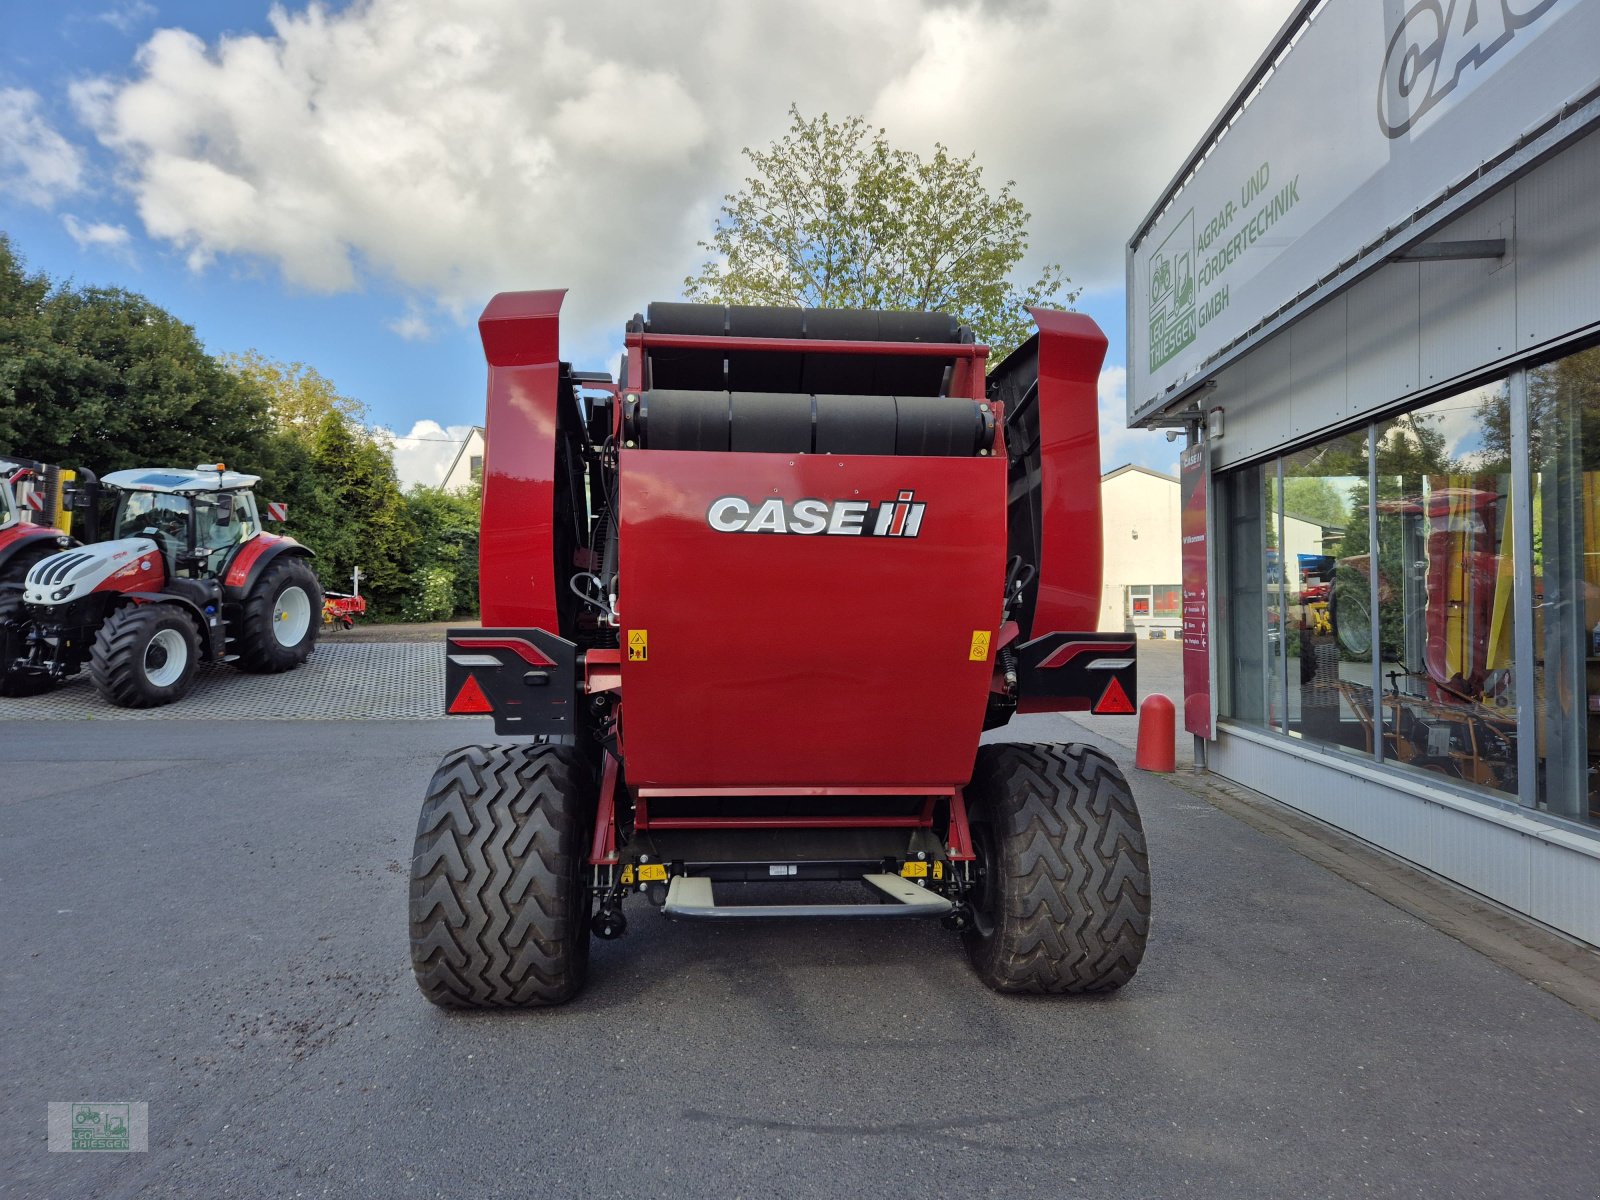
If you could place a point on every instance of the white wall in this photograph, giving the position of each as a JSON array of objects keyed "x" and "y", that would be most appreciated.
[{"x": 1137, "y": 501}]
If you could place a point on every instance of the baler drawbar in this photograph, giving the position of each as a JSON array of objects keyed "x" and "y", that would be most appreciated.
[{"x": 747, "y": 610}]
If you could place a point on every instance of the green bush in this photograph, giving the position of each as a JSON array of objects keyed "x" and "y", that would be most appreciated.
[{"x": 434, "y": 596}]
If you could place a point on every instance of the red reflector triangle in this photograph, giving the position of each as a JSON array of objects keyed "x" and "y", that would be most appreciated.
[
  {"x": 470, "y": 699},
  {"x": 1112, "y": 700}
]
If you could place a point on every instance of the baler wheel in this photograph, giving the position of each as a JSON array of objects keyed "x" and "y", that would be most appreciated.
[
  {"x": 1062, "y": 902},
  {"x": 499, "y": 898},
  {"x": 19, "y": 683},
  {"x": 281, "y": 618},
  {"x": 145, "y": 655}
]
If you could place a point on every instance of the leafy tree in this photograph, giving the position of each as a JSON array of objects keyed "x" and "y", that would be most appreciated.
[
  {"x": 298, "y": 396},
  {"x": 103, "y": 378},
  {"x": 833, "y": 216},
  {"x": 29, "y": 356},
  {"x": 447, "y": 543}
]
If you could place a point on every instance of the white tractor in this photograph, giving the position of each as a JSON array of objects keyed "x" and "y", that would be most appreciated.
[{"x": 187, "y": 577}]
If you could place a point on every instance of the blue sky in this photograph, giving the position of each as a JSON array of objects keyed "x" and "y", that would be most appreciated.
[{"x": 346, "y": 186}]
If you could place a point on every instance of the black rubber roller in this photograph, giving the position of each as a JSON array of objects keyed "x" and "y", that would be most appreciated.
[{"x": 798, "y": 423}]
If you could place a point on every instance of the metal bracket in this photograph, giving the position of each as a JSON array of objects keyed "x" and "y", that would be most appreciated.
[{"x": 1447, "y": 251}]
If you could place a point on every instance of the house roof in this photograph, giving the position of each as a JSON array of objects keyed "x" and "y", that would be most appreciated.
[
  {"x": 465, "y": 442},
  {"x": 1126, "y": 467}
]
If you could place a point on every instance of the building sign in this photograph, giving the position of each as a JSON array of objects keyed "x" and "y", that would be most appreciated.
[
  {"x": 1373, "y": 111},
  {"x": 1194, "y": 486}
]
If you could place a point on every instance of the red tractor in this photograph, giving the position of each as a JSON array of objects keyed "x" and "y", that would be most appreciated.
[
  {"x": 747, "y": 613},
  {"x": 36, "y": 512},
  {"x": 187, "y": 577}
]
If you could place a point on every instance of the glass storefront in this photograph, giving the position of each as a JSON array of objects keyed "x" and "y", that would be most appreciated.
[{"x": 1373, "y": 587}]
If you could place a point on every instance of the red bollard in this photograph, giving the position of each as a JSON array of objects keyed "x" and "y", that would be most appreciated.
[{"x": 1157, "y": 735}]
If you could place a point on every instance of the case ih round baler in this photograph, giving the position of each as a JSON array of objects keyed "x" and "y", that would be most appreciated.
[{"x": 748, "y": 610}]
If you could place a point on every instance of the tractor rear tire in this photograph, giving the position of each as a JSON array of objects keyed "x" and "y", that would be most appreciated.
[
  {"x": 1062, "y": 902},
  {"x": 145, "y": 655},
  {"x": 499, "y": 894},
  {"x": 281, "y": 618},
  {"x": 15, "y": 684}
]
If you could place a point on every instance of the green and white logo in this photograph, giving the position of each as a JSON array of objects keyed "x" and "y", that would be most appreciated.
[
  {"x": 1172, "y": 288},
  {"x": 117, "y": 1126}
]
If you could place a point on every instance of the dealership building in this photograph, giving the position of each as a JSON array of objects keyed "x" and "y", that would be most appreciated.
[{"x": 1371, "y": 297}]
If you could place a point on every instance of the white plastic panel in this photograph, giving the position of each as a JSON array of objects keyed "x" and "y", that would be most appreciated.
[
  {"x": 1566, "y": 890},
  {"x": 1469, "y": 306},
  {"x": 1548, "y": 872},
  {"x": 1384, "y": 319},
  {"x": 1558, "y": 245},
  {"x": 1318, "y": 397},
  {"x": 1255, "y": 397}
]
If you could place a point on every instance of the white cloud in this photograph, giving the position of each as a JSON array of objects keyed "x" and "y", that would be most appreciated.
[
  {"x": 97, "y": 235},
  {"x": 37, "y": 165},
  {"x": 460, "y": 147},
  {"x": 425, "y": 454},
  {"x": 1120, "y": 445},
  {"x": 413, "y": 327},
  {"x": 129, "y": 15}
]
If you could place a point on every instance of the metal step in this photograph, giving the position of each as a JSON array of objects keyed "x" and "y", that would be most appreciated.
[{"x": 689, "y": 896}]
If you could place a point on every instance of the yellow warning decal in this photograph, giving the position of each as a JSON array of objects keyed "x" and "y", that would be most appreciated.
[
  {"x": 650, "y": 872},
  {"x": 639, "y": 648},
  {"x": 938, "y": 870},
  {"x": 627, "y": 874},
  {"x": 980, "y": 645},
  {"x": 915, "y": 870}
]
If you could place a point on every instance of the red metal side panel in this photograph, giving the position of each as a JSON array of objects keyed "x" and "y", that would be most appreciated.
[
  {"x": 1071, "y": 350},
  {"x": 779, "y": 659},
  {"x": 516, "y": 558}
]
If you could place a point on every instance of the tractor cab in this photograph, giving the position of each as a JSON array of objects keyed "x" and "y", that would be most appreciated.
[{"x": 197, "y": 519}]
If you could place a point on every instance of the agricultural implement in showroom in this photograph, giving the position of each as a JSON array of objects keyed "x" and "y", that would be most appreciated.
[
  {"x": 38, "y": 502},
  {"x": 187, "y": 577},
  {"x": 748, "y": 611}
]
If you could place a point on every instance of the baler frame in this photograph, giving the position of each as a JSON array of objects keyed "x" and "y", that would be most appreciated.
[{"x": 630, "y": 479}]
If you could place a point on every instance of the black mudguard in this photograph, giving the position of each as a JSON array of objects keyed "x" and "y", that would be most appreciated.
[{"x": 526, "y": 679}]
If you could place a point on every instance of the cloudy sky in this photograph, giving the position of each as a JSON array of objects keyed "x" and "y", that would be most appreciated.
[{"x": 346, "y": 184}]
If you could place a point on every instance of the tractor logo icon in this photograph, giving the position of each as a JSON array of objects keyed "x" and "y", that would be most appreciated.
[
  {"x": 101, "y": 1127},
  {"x": 1172, "y": 293}
]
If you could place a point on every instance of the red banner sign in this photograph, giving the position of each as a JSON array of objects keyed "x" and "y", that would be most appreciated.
[{"x": 1194, "y": 482}]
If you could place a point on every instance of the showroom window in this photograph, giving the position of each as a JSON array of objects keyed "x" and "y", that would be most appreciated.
[
  {"x": 1374, "y": 590},
  {"x": 1564, "y": 453}
]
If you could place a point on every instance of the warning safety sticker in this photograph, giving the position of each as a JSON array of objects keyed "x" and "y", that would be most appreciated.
[{"x": 638, "y": 645}]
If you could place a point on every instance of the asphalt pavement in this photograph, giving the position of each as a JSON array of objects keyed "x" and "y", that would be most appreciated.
[{"x": 210, "y": 917}]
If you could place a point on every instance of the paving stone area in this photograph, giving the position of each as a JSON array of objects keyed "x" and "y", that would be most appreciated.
[{"x": 340, "y": 682}]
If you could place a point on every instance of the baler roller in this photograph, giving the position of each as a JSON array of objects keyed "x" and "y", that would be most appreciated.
[{"x": 797, "y": 423}]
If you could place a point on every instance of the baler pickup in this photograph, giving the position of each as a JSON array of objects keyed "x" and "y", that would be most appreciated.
[
  {"x": 751, "y": 605},
  {"x": 690, "y": 896}
]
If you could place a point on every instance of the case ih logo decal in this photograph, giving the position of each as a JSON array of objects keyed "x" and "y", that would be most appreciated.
[
  {"x": 1437, "y": 43},
  {"x": 900, "y": 517}
]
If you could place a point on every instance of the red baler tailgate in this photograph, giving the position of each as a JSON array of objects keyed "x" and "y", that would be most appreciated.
[{"x": 775, "y": 659}]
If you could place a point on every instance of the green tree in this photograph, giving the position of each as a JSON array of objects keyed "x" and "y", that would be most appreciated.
[
  {"x": 298, "y": 396},
  {"x": 833, "y": 216},
  {"x": 351, "y": 512},
  {"x": 447, "y": 544},
  {"x": 103, "y": 378}
]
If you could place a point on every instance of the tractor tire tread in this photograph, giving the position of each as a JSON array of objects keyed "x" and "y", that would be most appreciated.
[
  {"x": 494, "y": 920},
  {"x": 114, "y": 661},
  {"x": 259, "y": 651},
  {"x": 1076, "y": 889}
]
